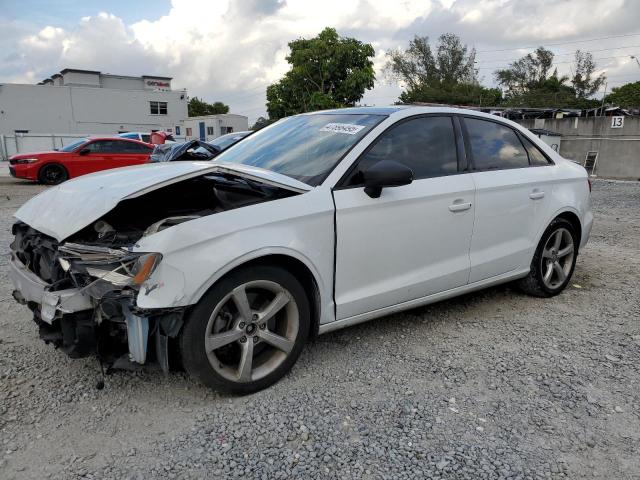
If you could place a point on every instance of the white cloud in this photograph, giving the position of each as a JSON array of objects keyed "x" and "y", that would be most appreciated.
[{"x": 230, "y": 50}]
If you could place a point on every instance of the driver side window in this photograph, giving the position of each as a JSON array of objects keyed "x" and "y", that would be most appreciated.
[{"x": 426, "y": 145}]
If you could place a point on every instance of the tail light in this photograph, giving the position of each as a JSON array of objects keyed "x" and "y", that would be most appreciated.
[{"x": 590, "y": 184}]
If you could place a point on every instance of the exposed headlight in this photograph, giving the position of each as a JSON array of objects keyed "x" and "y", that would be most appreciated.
[
  {"x": 145, "y": 266},
  {"x": 127, "y": 272},
  {"x": 20, "y": 161}
]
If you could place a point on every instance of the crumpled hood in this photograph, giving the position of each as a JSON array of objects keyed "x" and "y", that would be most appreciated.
[{"x": 67, "y": 208}]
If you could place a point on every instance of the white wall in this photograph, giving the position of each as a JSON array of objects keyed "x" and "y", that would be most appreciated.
[
  {"x": 239, "y": 123},
  {"x": 85, "y": 110}
]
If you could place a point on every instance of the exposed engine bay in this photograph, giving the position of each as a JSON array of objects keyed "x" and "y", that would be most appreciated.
[{"x": 97, "y": 266}]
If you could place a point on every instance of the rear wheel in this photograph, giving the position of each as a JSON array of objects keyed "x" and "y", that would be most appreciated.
[
  {"x": 554, "y": 261},
  {"x": 247, "y": 331},
  {"x": 52, "y": 174}
]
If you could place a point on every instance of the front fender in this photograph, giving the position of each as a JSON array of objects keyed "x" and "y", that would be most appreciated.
[{"x": 198, "y": 253}]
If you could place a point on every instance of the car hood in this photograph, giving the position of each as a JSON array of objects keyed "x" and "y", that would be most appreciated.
[
  {"x": 67, "y": 208},
  {"x": 33, "y": 154}
]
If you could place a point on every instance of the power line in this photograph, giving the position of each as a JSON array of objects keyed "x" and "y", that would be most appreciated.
[
  {"x": 561, "y": 54},
  {"x": 555, "y": 63},
  {"x": 560, "y": 43}
]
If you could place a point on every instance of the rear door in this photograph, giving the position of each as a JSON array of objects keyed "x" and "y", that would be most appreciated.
[
  {"x": 512, "y": 199},
  {"x": 413, "y": 240}
]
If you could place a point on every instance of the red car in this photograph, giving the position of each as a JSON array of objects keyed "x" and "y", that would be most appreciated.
[{"x": 85, "y": 156}]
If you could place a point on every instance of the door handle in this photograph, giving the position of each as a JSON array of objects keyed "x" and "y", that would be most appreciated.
[
  {"x": 459, "y": 207},
  {"x": 536, "y": 195}
]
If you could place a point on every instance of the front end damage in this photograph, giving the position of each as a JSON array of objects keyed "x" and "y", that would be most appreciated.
[
  {"x": 82, "y": 290},
  {"x": 83, "y": 299}
]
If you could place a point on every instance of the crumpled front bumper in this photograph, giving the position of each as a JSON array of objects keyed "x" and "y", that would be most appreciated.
[{"x": 31, "y": 288}]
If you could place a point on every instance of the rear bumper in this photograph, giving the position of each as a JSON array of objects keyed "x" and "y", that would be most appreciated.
[{"x": 29, "y": 288}]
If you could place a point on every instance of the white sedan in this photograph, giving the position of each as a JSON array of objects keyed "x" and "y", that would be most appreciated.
[{"x": 317, "y": 222}]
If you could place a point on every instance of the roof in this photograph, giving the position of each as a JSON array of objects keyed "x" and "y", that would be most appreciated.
[
  {"x": 544, "y": 131},
  {"x": 76, "y": 70},
  {"x": 156, "y": 76},
  {"x": 363, "y": 110}
]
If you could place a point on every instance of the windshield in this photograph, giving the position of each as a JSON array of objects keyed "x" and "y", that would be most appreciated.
[
  {"x": 305, "y": 147},
  {"x": 72, "y": 146}
]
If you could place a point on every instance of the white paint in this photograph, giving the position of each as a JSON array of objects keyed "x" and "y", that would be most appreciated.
[
  {"x": 406, "y": 248},
  {"x": 346, "y": 128},
  {"x": 617, "y": 122}
]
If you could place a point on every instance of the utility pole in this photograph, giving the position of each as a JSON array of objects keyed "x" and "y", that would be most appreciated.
[
  {"x": 604, "y": 95},
  {"x": 636, "y": 59}
]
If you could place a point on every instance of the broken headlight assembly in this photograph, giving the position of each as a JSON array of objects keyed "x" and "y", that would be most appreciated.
[{"x": 119, "y": 267}]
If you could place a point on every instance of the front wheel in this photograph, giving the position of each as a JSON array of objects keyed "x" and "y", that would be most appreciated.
[
  {"x": 52, "y": 174},
  {"x": 554, "y": 261},
  {"x": 247, "y": 331}
]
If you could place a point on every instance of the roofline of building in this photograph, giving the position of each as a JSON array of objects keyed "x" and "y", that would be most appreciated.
[
  {"x": 155, "y": 76},
  {"x": 55, "y": 75},
  {"x": 214, "y": 115},
  {"x": 77, "y": 70}
]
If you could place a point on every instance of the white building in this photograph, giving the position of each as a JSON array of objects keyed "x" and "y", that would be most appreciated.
[
  {"x": 89, "y": 102},
  {"x": 208, "y": 127}
]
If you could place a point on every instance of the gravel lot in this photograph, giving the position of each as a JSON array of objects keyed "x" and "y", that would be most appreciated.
[{"x": 494, "y": 384}]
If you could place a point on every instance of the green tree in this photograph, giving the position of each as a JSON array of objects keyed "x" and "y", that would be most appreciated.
[
  {"x": 327, "y": 71},
  {"x": 527, "y": 73},
  {"x": 446, "y": 76},
  {"x": 261, "y": 122},
  {"x": 583, "y": 80},
  {"x": 626, "y": 96},
  {"x": 528, "y": 82},
  {"x": 197, "y": 107}
]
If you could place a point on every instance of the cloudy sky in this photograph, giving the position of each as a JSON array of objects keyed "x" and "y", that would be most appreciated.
[{"x": 230, "y": 50}]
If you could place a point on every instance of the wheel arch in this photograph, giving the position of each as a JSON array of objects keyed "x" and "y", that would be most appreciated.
[
  {"x": 293, "y": 262},
  {"x": 574, "y": 220}
]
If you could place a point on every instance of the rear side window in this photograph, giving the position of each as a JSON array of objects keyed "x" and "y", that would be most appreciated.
[
  {"x": 131, "y": 147},
  {"x": 426, "y": 145},
  {"x": 536, "y": 157},
  {"x": 494, "y": 146}
]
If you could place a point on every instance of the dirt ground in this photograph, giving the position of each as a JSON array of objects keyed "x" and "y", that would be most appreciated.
[{"x": 493, "y": 384}]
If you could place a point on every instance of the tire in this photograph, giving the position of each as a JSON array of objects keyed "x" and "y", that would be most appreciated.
[
  {"x": 553, "y": 263},
  {"x": 234, "y": 317},
  {"x": 52, "y": 174}
]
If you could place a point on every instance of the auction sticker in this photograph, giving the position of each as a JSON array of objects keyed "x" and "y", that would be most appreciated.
[{"x": 347, "y": 128}]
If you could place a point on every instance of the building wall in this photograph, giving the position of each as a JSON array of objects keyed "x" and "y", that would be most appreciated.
[
  {"x": 86, "y": 110},
  {"x": 214, "y": 125},
  {"x": 618, "y": 148}
]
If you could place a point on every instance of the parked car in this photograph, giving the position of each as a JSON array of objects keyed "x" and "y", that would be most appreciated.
[
  {"x": 79, "y": 158},
  {"x": 156, "y": 138},
  {"x": 225, "y": 141},
  {"x": 190, "y": 150},
  {"x": 317, "y": 222},
  {"x": 196, "y": 149}
]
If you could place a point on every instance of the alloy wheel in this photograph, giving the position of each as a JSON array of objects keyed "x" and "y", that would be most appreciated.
[
  {"x": 251, "y": 331},
  {"x": 557, "y": 258}
]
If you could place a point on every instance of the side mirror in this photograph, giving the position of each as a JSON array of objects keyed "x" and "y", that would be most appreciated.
[
  {"x": 385, "y": 173},
  {"x": 84, "y": 151}
]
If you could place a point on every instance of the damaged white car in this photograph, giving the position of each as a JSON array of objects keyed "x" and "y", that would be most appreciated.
[{"x": 314, "y": 223}]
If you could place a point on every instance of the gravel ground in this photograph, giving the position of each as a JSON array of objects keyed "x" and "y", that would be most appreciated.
[{"x": 493, "y": 384}]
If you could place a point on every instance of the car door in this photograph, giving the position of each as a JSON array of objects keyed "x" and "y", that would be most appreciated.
[
  {"x": 89, "y": 158},
  {"x": 413, "y": 240},
  {"x": 512, "y": 199},
  {"x": 131, "y": 153}
]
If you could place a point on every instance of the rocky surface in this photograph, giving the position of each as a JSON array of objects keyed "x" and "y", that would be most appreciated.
[{"x": 493, "y": 384}]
